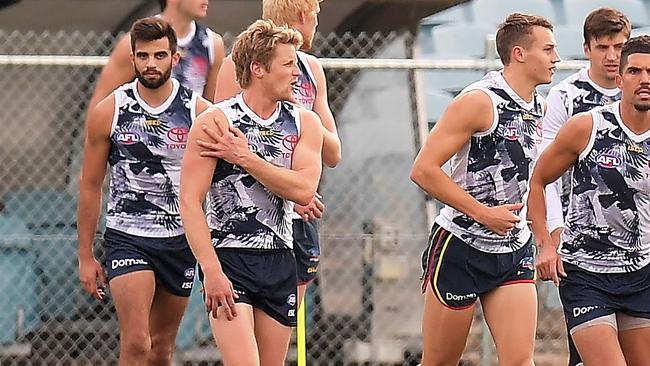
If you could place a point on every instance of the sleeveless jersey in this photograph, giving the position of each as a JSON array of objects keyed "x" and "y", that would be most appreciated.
[
  {"x": 607, "y": 229},
  {"x": 147, "y": 146},
  {"x": 494, "y": 166},
  {"x": 305, "y": 90},
  {"x": 197, "y": 55},
  {"x": 242, "y": 213},
  {"x": 575, "y": 94}
]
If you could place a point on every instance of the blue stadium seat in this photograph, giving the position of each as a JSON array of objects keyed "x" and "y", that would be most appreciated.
[
  {"x": 640, "y": 31},
  {"x": 457, "y": 14},
  {"x": 18, "y": 283},
  {"x": 569, "y": 42},
  {"x": 493, "y": 12},
  {"x": 195, "y": 326},
  {"x": 50, "y": 216},
  {"x": 576, "y": 10},
  {"x": 460, "y": 40}
]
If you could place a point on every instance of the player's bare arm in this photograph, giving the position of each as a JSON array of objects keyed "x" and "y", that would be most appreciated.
[
  {"x": 196, "y": 176},
  {"x": 117, "y": 71},
  {"x": 559, "y": 156},
  {"x": 226, "y": 85},
  {"x": 297, "y": 184},
  {"x": 331, "y": 141},
  {"x": 96, "y": 148},
  {"x": 468, "y": 114}
]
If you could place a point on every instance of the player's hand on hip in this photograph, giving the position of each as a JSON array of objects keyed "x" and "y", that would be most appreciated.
[
  {"x": 549, "y": 264},
  {"x": 501, "y": 219},
  {"x": 314, "y": 210},
  {"x": 90, "y": 272},
  {"x": 219, "y": 292}
]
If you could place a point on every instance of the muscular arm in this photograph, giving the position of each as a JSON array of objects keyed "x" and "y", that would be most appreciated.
[
  {"x": 331, "y": 142},
  {"x": 219, "y": 54},
  {"x": 96, "y": 149},
  {"x": 226, "y": 86},
  {"x": 117, "y": 71},
  {"x": 196, "y": 175},
  {"x": 297, "y": 184},
  {"x": 451, "y": 132}
]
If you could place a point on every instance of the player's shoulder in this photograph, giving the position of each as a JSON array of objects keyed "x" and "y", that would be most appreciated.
[{"x": 313, "y": 61}]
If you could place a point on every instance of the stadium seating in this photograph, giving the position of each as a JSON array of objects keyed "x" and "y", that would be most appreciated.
[
  {"x": 569, "y": 42},
  {"x": 436, "y": 103},
  {"x": 18, "y": 283},
  {"x": 640, "y": 31},
  {"x": 493, "y": 12},
  {"x": 457, "y": 14},
  {"x": 576, "y": 10},
  {"x": 50, "y": 216}
]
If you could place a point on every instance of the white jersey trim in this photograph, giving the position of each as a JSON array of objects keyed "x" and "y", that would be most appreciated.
[
  {"x": 211, "y": 52},
  {"x": 185, "y": 40},
  {"x": 592, "y": 135},
  {"x": 161, "y": 108}
]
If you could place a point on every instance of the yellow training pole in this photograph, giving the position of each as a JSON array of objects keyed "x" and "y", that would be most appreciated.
[{"x": 301, "y": 335}]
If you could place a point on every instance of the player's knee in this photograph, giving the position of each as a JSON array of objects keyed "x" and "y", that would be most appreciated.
[
  {"x": 136, "y": 344},
  {"x": 439, "y": 359},
  {"x": 161, "y": 352},
  {"x": 523, "y": 360}
]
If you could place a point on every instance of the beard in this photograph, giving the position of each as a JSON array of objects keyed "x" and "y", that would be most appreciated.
[
  {"x": 153, "y": 84},
  {"x": 642, "y": 107}
]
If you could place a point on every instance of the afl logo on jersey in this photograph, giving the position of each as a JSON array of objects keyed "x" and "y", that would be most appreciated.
[
  {"x": 609, "y": 161},
  {"x": 511, "y": 133},
  {"x": 127, "y": 138},
  {"x": 290, "y": 141}
]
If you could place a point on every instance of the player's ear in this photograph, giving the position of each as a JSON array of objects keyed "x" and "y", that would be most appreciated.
[
  {"x": 517, "y": 54},
  {"x": 257, "y": 69},
  {"x": 176, "y": 58}
]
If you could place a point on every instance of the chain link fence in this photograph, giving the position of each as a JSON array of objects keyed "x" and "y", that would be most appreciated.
[{"x": 365, "y": 307}]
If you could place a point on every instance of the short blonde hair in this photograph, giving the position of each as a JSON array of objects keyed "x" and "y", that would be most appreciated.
[
  {"x": 257, "y": 44},
  {"x": 287, "y": 11}
]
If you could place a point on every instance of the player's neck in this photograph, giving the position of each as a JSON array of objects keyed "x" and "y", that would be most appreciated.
[
  {"x": 600, "y": 80},
  {"x": 181, "y": 24},
  {"x": 259, "y": 102},
  {"x": 154, "y": 97},
  {"x": 519, "y": 83},
  {"x": 637, "y": 121}
]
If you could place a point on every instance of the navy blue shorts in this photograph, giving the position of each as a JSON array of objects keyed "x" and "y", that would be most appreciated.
[
  {"x": 306, "y": 249},
  {"x": 170, "y": 259},
  {"x": 587, "y": 295},
  {"x": 459, "y": 274},
  {"x": 264, "y": 279}
]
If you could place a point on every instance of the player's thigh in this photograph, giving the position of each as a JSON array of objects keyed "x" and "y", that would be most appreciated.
[
  {"x": 634, "y": 337},
  {"x": 133, "y": 295},
  {"x": 511, "y": 314},
  {"x": 444, "y": 331},
  {"x": 272, "y": 339},
  {"x": 236, "y": 338},
  {"x": 166, "y": 313},
  {"x": 597, "y": 342}
]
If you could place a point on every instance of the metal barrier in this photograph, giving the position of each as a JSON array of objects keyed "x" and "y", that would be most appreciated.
[{"x": 365, "y": 306}]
